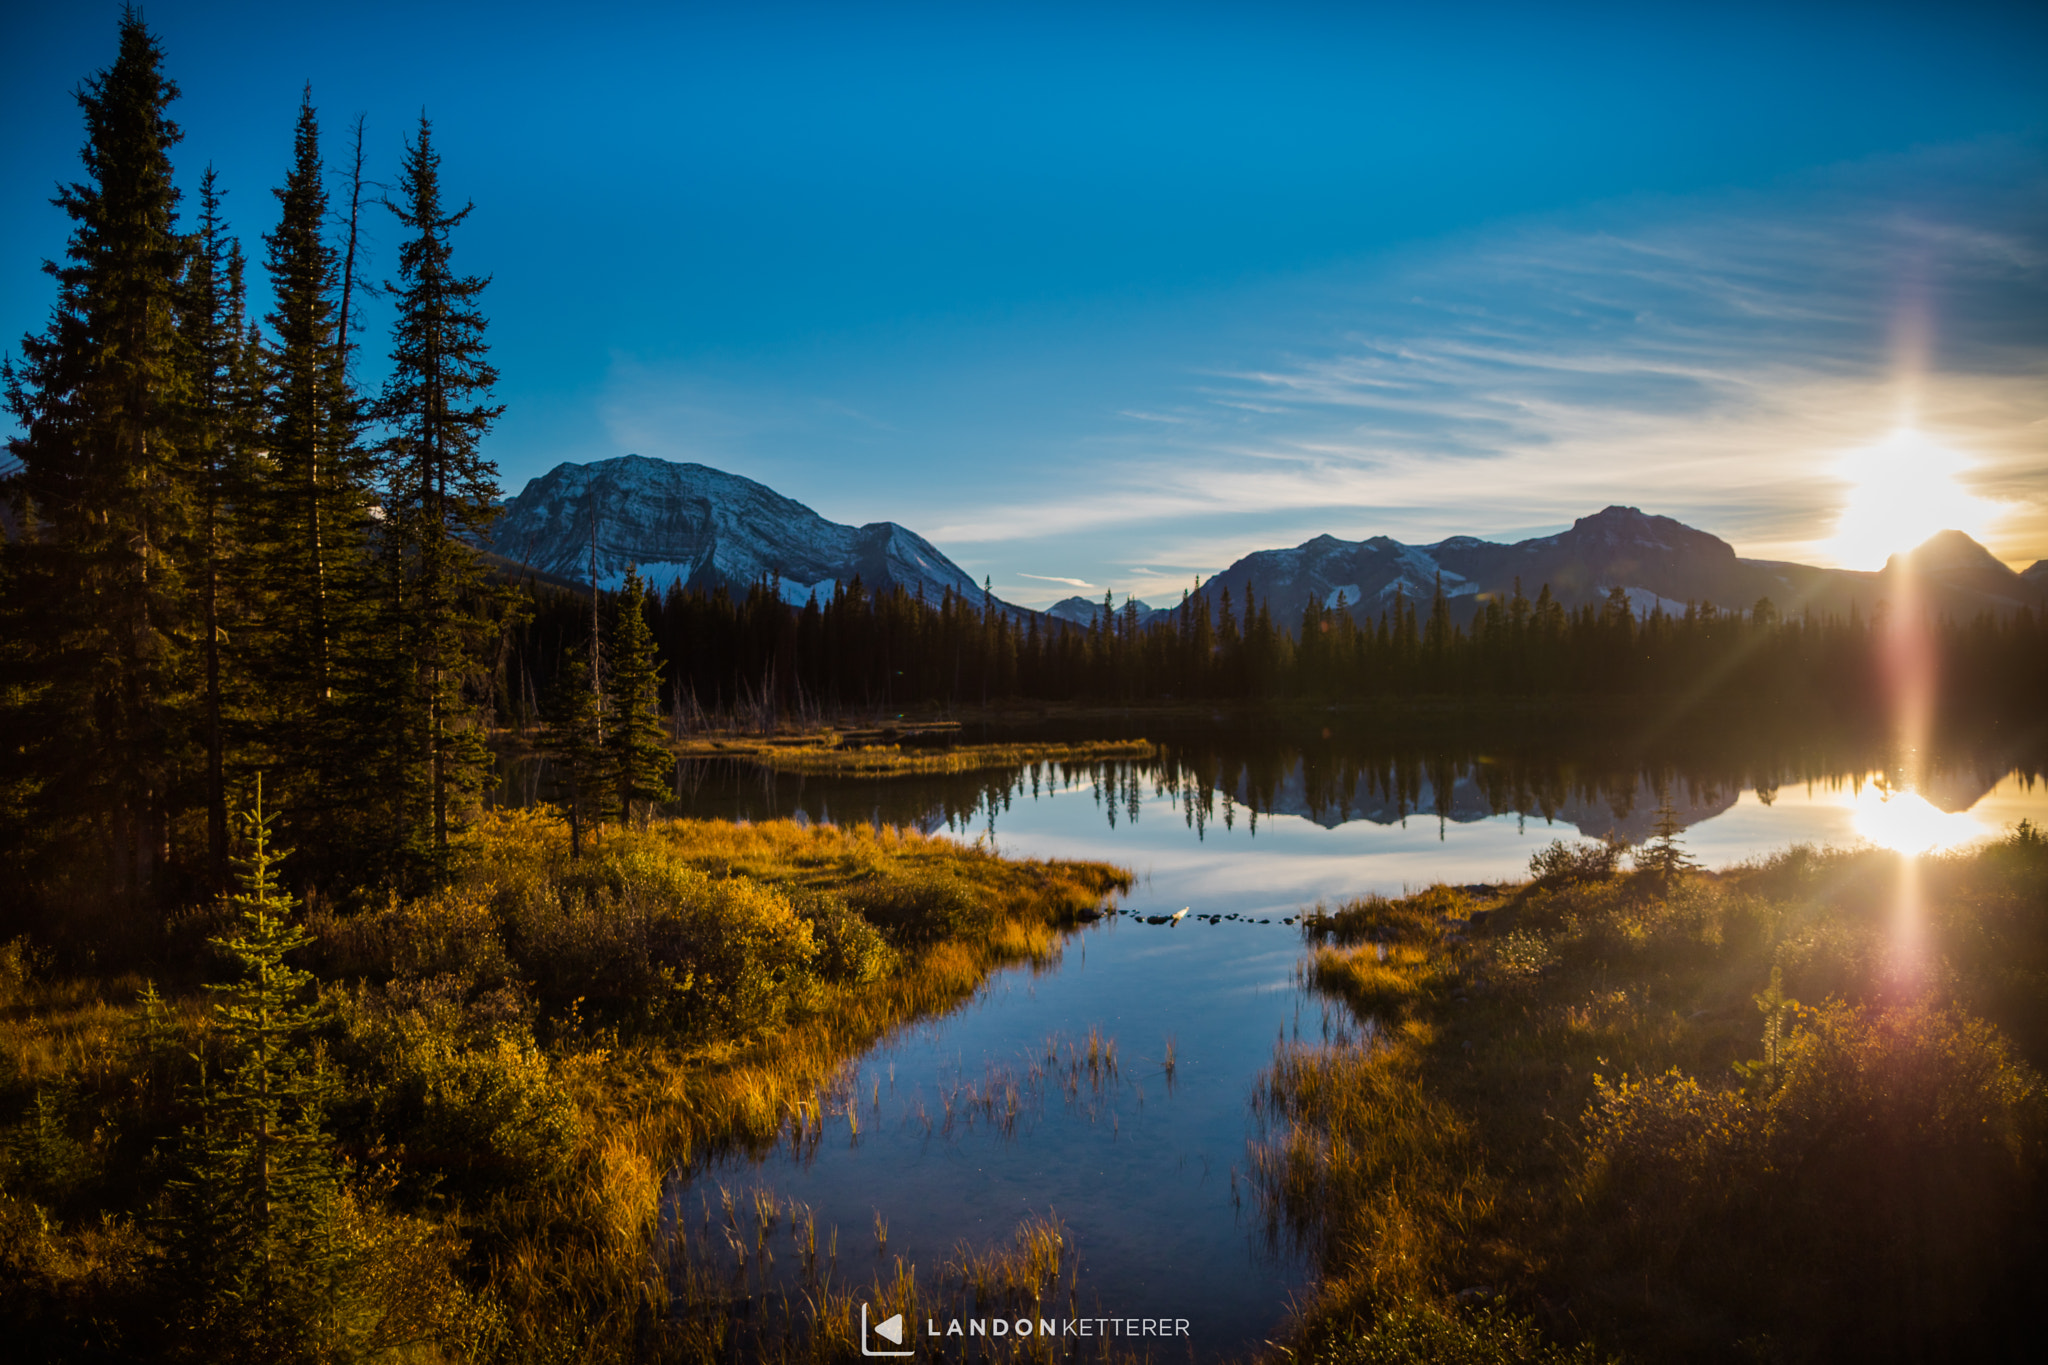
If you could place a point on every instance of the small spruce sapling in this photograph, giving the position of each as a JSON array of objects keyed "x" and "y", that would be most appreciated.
[
  {"x": 255, "y": 1233},
  {"x": 1780, "y": 1013},
  {"x": 1663, "y": 857}
]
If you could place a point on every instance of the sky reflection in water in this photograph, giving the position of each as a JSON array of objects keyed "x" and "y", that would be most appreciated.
[{"x": 1148, "y": 1176}]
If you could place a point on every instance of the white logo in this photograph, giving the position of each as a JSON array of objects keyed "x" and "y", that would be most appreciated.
[{"x": 890, "y": 1329}]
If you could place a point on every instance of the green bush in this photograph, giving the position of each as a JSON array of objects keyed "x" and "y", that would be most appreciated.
[
  {"x": 1898, "y": 1157},
  {"x": 636, "y": 938},
  {"x": 919, "y": 905},
  {"x": 850, "y": 951},
  {"x": 1667, "y": 1150},
  {"x": 1562, "y": 864},
  {"x": 465, "y": 1093}
]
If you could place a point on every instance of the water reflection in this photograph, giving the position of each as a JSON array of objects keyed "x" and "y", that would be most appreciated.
[
  {"x": 945, "y": 1138},
  {"x": 1735, "y": 800}
]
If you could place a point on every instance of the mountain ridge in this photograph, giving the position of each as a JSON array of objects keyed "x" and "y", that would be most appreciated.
[
  {"x": 705, "y": 528},
  {"x": 1657, "y": 561}
]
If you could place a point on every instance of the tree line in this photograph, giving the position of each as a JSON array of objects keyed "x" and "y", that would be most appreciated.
[{"x": 755, "y": 656}]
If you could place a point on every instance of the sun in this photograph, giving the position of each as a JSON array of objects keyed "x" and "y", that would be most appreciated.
[
  {"x": 1908, "y": 822},
  {"x": 1901, "y": 492}
]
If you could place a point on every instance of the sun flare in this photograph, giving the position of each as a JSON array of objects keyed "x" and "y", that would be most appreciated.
[
  {"x": 1908, "y": 822},
  {"x": 1902, "y": 491}
]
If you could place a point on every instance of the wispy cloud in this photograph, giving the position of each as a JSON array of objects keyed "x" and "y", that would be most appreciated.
[
  {"x": 1716, "y": 362},
  {"x": 1054, "y": 578}
]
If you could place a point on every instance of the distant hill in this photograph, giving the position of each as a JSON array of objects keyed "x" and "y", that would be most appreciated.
[
  {"x": 1082, "y": 611},
  {"x": 1658, "y": 561},
  {"x": 707, "y": 529}
]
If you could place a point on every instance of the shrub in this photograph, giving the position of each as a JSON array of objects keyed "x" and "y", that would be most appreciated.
[
  {"x": 638, "y": 938},
  {"x": 921, "y": 905},
  {"x": 466, "y": 1097},
  {"x": 1562, "y": 864},
  {"x": 1664, "y": 1148},
  {"x": 1898, "y": 1156},
  {"x": 849, "y": 949}
]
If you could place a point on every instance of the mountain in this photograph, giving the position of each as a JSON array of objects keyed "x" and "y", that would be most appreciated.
[
  {"x": 1657, "y": 560},
  {"x": 1369, "y": 797},
  {"x": 707, "y": 529},
  {"x": 1082, "y": 611}
]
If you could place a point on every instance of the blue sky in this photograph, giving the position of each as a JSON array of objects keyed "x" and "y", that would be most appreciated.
[{"x": 1117, "y": 294}]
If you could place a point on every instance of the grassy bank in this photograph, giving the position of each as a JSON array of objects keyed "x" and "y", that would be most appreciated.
[
  {"x": 1791, "y": 1112},
  {"x": 512, "y": 1066},
  {"x": 827, "y": 754}
]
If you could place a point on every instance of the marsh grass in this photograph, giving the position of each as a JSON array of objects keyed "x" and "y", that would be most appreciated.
[
  {"x": 524, "y": 1058},
  {"x": 735, "y": 1297},
  {"x": 827, "y": 754},
  {"x": 1563, "y": 1125}
]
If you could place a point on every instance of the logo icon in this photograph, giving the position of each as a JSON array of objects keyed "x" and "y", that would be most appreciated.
[{"x": 889, "y": 1329}]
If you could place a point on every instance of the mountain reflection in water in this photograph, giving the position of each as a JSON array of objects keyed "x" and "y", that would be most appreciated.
[{"x": 1767, "y": 794}]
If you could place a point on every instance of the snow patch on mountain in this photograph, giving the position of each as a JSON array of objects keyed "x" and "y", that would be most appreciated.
[
  {"x": 709, "y": 529},
  {"x": 1642, "y": 602}
]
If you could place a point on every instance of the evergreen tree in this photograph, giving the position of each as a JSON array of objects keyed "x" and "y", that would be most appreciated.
[
  {"x": 255, "y": 1234},
  {"x": 106, "y": 479},
  {"x": 315, "y": 512},
  {"x": 311, "y": 498},
  {"x": 640, "y": 757},
  {"x": 1663, "y": 857},
  {"x": 575, "y": 737},
  {"x": 440, "y": 495},
  {"x": 220, "y": 435}
]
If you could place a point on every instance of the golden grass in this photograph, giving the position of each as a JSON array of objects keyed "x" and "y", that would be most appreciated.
[
  {"x": 570, "y": 1263},
  {"x": 649, "y": 1105},
  {"x": 825, "y": 755}
]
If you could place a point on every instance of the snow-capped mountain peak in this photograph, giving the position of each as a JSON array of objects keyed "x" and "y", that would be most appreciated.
[{"x": 706, "y": 528}]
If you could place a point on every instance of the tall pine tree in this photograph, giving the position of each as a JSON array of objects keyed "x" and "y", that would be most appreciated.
[
  {"x": 440, "y": 495},
  {"x": 101, "y": 396},
  {"x": 221, "y": 433},
  {"x": 315, "y": 500}
]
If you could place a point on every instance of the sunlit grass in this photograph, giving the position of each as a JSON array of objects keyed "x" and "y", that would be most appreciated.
[
  {"x": 826, "y": 755},
  {"x": 1606, "y": 1093},
  {"x": 527, "y": 1056}
]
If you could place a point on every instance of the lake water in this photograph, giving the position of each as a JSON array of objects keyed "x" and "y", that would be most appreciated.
[{"x": 1145, "y": 1171}]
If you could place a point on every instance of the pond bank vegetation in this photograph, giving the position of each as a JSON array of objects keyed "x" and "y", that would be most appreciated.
[
  {"x": 1789, "y": 1112},
  {"x": 508, "y": 1069},
  {"x": 831, "y": 753}
]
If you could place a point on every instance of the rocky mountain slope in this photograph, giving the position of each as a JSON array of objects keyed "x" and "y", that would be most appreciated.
[
  {"x": 1657, "y": 560},
  {"x": 705, "y": 528}
]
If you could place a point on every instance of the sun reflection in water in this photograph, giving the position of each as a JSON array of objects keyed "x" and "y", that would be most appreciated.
[{"x": 1908, "y": 823}]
